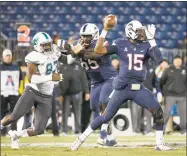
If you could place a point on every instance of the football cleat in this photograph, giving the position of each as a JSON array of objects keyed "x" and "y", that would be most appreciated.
[
  {"x": 102, "y": 138},
  {"x": 162, "y": 147},
  {"x": 101, "y": 141},
  {"x": 14, "y": 139},
  {"x": 75, "y": 146},
  {"x": 110, "y": 142}
]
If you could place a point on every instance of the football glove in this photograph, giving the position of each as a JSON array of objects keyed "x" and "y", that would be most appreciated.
[
  {"x": 150, "y": 31},
  {"x": 159, "y": 97}
]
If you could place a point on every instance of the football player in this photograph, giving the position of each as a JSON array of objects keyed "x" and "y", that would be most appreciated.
[
  {"x": 133, "y": 52},
  {"x": 41, "y": 66},
  {"x": 101, "y": 73}
]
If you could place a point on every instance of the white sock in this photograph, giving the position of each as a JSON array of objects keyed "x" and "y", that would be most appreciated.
[
  {"x": 22, "y": 133},
  {"x": 86, "y": 133},
  {"x": 159, "y": 137},
  {"x": 104, "y": 127},
  {"x": 110, "y": 137}
]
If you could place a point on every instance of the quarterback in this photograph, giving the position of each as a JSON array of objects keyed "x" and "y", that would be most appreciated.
[{"x": 133, "y": 51}]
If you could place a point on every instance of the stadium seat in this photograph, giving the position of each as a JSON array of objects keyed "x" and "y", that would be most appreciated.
[{"x": 67, "y": 17}]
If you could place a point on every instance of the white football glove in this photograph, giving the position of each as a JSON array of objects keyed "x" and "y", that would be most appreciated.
[
  {"x": 150, "y": 31},
  {"x": 159, "y": 97}
]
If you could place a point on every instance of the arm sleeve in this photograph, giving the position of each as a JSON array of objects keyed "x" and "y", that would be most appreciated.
[
  {"x": 155, "y": 54},
  {"x": 84, "y": 81}
]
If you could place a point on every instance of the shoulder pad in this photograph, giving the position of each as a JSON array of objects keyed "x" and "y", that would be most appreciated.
[{"x": 35, "y": 58}]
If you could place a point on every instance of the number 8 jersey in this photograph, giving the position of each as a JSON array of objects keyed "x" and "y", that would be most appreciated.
[
  {"x": 99, "y": 69},
  {"x": 47, "y": 64}
]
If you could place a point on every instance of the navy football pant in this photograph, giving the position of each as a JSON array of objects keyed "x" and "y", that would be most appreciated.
[
  {"x": 142, "y": 97},
  {"x": 99, "y": 94}
]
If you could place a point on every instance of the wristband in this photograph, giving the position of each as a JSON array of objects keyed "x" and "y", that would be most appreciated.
[
  {"x": 152, "y": 42},
  {"x": 103, "y": 33}
]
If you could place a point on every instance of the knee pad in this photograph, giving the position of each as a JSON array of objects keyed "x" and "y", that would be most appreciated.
[{"x": 158, "y": 115}]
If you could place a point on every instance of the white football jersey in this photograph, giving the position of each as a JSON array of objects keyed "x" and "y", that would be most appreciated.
[{"x": 47, "y": 64}]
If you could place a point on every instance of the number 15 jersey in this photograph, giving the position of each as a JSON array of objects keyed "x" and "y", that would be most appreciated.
[{"x": 133, "y": 59}]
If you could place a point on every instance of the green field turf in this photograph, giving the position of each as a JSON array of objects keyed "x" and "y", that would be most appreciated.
[
  {"x": 61, "y": 151},
  {"x": 177, "y": 142}
]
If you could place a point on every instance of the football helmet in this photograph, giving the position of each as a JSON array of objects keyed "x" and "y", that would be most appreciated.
[
  {"x": 89, "y": 32},
  {"x": 43, "y": 43},
  {"x": 134, "y": 30}
]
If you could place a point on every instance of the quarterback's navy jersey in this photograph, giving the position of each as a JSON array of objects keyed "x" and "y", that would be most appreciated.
[
  {"x": 133, "y": 59},
  {"x": 100, "y": 68}
]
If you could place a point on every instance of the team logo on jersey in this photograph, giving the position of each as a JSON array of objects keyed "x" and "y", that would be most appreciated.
[{"x": 125, "y": 49}]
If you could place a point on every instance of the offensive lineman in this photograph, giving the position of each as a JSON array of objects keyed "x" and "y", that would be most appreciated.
[
  {"x": 41, "y": 66},
  {"x": 101, "y": 73},
  {"x": 133, "y": 52}
]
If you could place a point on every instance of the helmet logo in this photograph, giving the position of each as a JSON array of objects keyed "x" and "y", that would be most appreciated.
[{"x": 35, "y": 41}]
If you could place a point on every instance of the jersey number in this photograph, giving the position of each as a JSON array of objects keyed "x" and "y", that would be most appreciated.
[
  {"x": 49, "y": 67},
  {"x": 135, "y": 61},
  {"x": 89, "y": 64},
  {"x": 24, "y": 36}
]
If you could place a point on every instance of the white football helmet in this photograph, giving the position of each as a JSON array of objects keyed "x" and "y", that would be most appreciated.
[
  {"x": 43, "y": 43},
  {"x": 131, "y": 28},
  {"x": 90, "y": 29}
]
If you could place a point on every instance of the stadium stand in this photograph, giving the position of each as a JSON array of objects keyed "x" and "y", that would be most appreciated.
[{"x": 66, "y": 18}]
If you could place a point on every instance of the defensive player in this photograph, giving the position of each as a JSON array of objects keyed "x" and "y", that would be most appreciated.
[
  {"x": 41, "y": 66},
  {"x": 133, "y": 52},
  {"x": 101, "y": 73}
]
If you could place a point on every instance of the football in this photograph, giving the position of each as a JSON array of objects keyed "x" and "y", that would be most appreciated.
[{"x": 110, "y": 21}]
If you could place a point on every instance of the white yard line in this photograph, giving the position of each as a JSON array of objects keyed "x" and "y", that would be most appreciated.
[{"x": 121, "y": 145}]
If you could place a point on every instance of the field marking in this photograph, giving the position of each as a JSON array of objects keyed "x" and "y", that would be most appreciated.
[{"x": 120, "y": 145}]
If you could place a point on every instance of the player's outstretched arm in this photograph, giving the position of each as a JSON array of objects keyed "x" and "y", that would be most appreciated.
[
  {"x": 109, "y": 22},
  {"x": 153, "y": 52},
  {"x": 66, "y": 55}
]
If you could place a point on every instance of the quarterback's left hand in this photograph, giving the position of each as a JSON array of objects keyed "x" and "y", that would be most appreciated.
[{"x": 150, "y": 31}]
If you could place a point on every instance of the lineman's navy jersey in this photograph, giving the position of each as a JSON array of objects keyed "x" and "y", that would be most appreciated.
[
  {"x": 99, "y": 69},
  {"x": 133, "y": 59}
]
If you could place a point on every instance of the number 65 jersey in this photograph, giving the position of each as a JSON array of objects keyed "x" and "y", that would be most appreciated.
[
  {"x": 46, "y": 65},
  {"x": 99, "y": 68},
  {"x": 133, "y": 59}
]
